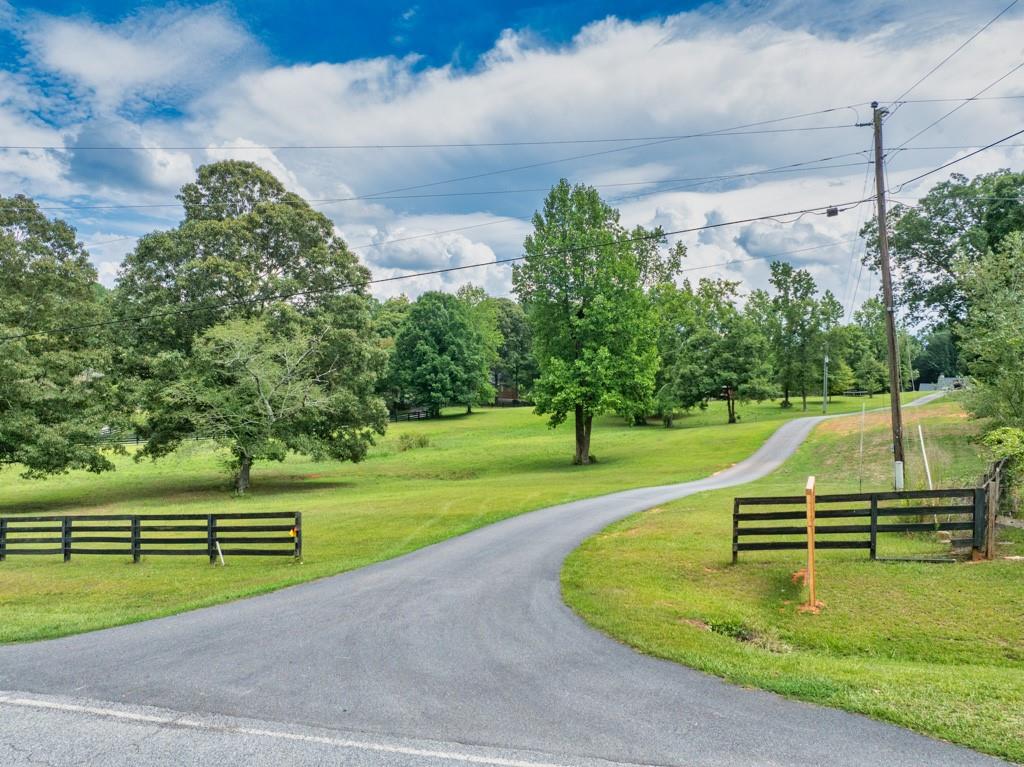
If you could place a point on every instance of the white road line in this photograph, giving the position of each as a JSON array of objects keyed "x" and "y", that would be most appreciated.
[{"x": 197, "y": 724}]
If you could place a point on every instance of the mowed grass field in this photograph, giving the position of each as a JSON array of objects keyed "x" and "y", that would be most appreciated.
[
  {"x": 476, "y": 470},
  {"x": 938, "y": 648}
]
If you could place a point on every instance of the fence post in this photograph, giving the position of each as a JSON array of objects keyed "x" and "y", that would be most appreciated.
[
  {"x": 211, "y": 539},
  {"x": 298, "y": 535},
  {"x": 3, "y": 539},
  {"x": 65, "y": 538},
  {"x": 735, "y": 529},
  {"x": 978, "y": 544},
  {"x": 809, "y": 492},
  {"x": 136, "y": 544},
  {"x": 991, "y": 505},
  {"x": 874, "y": 526}
]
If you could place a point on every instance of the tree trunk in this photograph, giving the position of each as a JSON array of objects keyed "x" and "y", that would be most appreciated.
[
  {"x": 578, "y": 459},
  {"x": 785, "y": 396},
  {"x": 242, "y": 477},
  {"x": 583, "y": 427},
  {"x": 469, "y": 408},
  {"x": 730, "y": 402}
]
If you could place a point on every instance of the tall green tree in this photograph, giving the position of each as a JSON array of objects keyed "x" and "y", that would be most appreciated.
[
  {"x": 247, "y": 249},
  {"x": 486, "y": 338},
  {"x": 676, "y": 318},
  {"x": 515, "y": 366},
  {"x": 938, "y": 356},
  {"x": 993, "y": 339},
  {"x": 796, "y": 329},
  {"x": 959, "y": 219},
  {"x": 439, "y": 357},
  {"x": 55, "y": 388},
  {"x": 721, "y": 354},
  {"x": 264, "y": 386},
  {"x": 582, "y": 285},
  {"x": 388, "y": 318}
]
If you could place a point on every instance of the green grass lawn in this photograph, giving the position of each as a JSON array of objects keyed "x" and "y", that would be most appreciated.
[
  {"x": 477, "y": 469},
  {"x": 938, "y": 648}
]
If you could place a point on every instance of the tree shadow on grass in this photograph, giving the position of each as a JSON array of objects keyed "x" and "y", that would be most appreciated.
[{"x": 176, "y": 495}]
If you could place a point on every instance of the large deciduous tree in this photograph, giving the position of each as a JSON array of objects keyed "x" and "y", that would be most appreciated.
[
  {"x": 582, "y": 286},
  {"x": 796, "y": 328},
  {"x": 516, "y": 366},
  {"x": 54, "y": 386},
  {"x": 720, "y": 352},
  {"x": 993, "y": 340},
  {"x": 441, "y": 355},
  {"x": 959, "y": 219},
  {"x": 247, "y": 250},
  {"x": 262, "y": 387}
]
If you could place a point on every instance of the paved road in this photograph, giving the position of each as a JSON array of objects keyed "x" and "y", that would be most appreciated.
[{"x": 459, "y": 653}]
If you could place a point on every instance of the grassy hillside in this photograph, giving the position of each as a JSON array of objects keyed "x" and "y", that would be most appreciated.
[
  {"x": 476, "y": 470},
  {"x": 938, "y": 648}
]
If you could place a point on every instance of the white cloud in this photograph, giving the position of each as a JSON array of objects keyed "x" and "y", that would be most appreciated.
[
  {"x": 154, "y": 54},
  {"x": 688, "y": 73}
]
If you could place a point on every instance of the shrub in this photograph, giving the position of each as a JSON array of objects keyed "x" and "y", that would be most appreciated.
[{"x": 412, "y": 441}]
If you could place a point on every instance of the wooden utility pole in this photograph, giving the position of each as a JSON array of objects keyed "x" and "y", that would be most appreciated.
[{"x": 890, "y": 311}]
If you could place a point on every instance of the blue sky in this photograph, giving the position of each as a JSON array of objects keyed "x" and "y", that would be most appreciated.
[
  {"x": 178, "y": 85},
  {"x": 440, "y": 32}
]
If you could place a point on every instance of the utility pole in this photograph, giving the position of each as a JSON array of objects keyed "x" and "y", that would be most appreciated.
[
  {"x": 824, "y": 388},
  {"x": 890, "y": 312}
]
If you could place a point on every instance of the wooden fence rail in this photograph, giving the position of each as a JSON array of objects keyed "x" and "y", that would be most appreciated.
[
  {"x": 862, "y": 516},
  {"x": 138, "y": 535}
]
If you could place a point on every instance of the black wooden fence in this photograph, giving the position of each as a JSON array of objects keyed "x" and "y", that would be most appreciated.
[
  {"x": 419, "y": 414},
  {"x": 854, "y": 520},
  {"x": 138, "y": 535}
]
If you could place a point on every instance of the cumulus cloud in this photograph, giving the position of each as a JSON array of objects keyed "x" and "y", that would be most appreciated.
[
  {"x": 156, "y": 54},
  {"x": 728, "y": 65}
]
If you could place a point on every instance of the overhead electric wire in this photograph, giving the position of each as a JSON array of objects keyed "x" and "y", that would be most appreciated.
[
  {"x": 735, "y": 130},
  {"x": 700, "y": 181},
  {"x": 790, "y": 168},
  {"x": 854, "y": 250},
  {"x": 961, "y": 105},
  {"x": 918, "y": 177},
  {"x": 766, "y": 256},
  {"x": 949, "y": 99},
  {"x": 406, "y": 276},
  {"x": 957, "y": 50}
]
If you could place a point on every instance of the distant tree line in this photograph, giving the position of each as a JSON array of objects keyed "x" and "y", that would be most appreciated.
[{"x": 251, "y": 322}]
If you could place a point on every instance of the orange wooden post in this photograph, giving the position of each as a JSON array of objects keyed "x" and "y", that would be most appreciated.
[{"x": 812, "y": 601}]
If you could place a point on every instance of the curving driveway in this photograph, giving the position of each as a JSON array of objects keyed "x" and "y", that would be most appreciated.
[{"x": 459, "y": 653}]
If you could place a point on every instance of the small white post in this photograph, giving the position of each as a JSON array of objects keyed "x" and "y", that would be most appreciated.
[
  {"x": 219, "y": 553},
  {"x": 860, "y": 478},
  {"x": 924, "y": 454}
]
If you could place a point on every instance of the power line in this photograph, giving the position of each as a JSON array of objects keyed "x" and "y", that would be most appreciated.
[
  {"x": 790, "y": 168},
  {"x": 737, "y": 130},
  {"x": 947, "y": 146},
  {"x": 960, "y": 106},
  {"x": 428, "y": 273},
  {"x": 853, "y": 250},
  {"x": 959, "y": 48},
  {"x": 364, "y": 245},
  {"x": 903, "y": 184},
  {"x": 700, "y": 181},
  {"x": 473, "y": 144},
  {"x": 948, "y": 99},
  {"x": 832, "y": 244}
]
